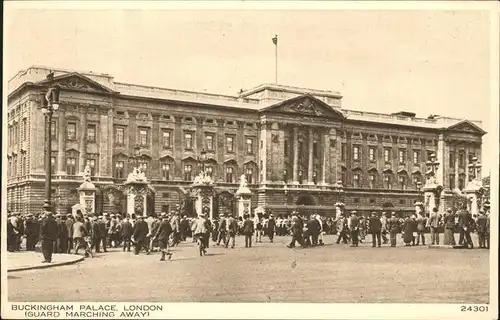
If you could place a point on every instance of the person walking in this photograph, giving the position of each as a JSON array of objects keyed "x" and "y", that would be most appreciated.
[
  {"x": 64, "y": 235},
  {"x": 140, "y": 234},
  {"x": 201, "y": 231},
  {"x": 383, "y": 232},
  {"x": 375, "y": 227},
  {"x": 248, "y": 231},
  {"x": 232, "y": 230},
  {"x": 353, "y": 225},
  {"x": 222, "y": 236},
  {"x": 78, "y": 234},
  {"x": 314, "y": 228},
  {"x": 162, "y": 235},
  {"x": 409, "y": 227},
  {"x": 393, "y": 226},
  {"x": 296, "y": 227},
  {"x": 341, "y": 225},
  {"x": 31, "y": 231},
  {"x": 48, "y": 234},
  {"x": 95, "y": 234},
  {"x": 433, "y": 223},
  {"x": 271, "y": 227}
]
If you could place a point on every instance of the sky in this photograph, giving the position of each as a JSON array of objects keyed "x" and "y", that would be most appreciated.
[{"x": 427, "y": 62}]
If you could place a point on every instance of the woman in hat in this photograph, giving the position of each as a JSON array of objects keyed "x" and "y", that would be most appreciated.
[{"x": 409, "y": 227}]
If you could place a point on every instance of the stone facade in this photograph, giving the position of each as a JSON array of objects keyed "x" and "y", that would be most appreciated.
[{"x": 294, "y": 144}]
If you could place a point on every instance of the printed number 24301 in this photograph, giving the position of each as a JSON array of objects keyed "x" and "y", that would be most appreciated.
[{"x": 474, "y": 308}]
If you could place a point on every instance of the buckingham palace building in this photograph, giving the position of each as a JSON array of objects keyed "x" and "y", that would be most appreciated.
[{"x": 298, "y": 147}]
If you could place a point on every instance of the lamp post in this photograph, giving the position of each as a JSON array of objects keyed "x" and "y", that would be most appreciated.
[{"x": 50, "y": 104}]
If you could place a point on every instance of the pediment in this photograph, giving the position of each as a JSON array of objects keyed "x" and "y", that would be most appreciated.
[
  {"x": 466, "y": 126},
  {"x": 78, "y": 82},
  {"x": 305, "y": 105}
]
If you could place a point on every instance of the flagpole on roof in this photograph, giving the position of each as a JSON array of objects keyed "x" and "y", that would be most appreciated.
[{"x": 275, "y": 41}]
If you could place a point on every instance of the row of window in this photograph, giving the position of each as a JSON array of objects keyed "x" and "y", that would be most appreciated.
[
  {"x": 372, "y": 154},
  {"x": 15, "y": 134},
  {"x": 387, "y": 179},
  {"x": 166, "y": 139},
  {"x": 461, "y": 158}
]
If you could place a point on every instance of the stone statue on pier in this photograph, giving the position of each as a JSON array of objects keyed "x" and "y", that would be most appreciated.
[
  {"x": 86, "y": 174},
  {"x": 136, "y": 176},
  {"x": 243, "y": 181}
]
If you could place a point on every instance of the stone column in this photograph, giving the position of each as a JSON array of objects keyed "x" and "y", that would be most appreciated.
[
  {"x": 311, "y": 158},
  {"x": 295, "y": 177},
  {"x": 102, "y": 138},
  {"x": 83, "y": 141},
  {"x": 466, "y": 162},
  {"x": 441, "y": 157},
  {"x": 61, "y": 147},
  {"x": 110, "y": 142},
  {"x": 326, "y": 157},
  {"x": 456, "y": 166}
]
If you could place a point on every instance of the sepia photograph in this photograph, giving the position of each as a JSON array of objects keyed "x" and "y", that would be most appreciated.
[{"x": 155, "y": 154}]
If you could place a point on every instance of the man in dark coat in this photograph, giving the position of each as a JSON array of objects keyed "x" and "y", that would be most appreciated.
[
  {"x": 104, "y": 225},
  {"x": 140, "y": 234},
  {"x": 127, "y": 230},
  {"x": 95, "y": 234},
  {"x": 297, "y": 227},
  {"x": 48, "y": 234},
  {"x": 20, "y": 229},
  {"x": 465, "y": 224},
  {"x": 314, "y": 229},
  {"x": 58, "y": 239},
  {"x": 232, "y": 230},
  {"x": 11, "y": 234},
  {"x": 354, "y": 228},
  {"x": 482, "y": 225},
  {"x": 162, "y": 234},
  {"x": 375, "y": 227},
  {"x": 222, "y": 229},
  {"x": 63, "y": 235},
  {"x": 248, "y": 230},
  {"x": 31, "y": 231},
  {"x": 271, "y": 226},
  {"x": 393, "y": 227}
]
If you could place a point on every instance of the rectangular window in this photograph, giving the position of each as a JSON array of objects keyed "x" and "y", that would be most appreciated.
[
  {"x": 25, "y": 129},
  {"x": 402, "y": 182},
  {"x": 416, "y": 157},
  {"x": 356, "y": 180},
  {"x": 372, "y": 181},
  {"x": 286, "y": 148},
  {"x": 209, "y": 142},
  {"x": 355, "y": 153},
  {"x": 71, "y": 166},
  {"x": 92, "y": 164},
  {"x": 342, "y": 152},
  {"x": 461, "y": 159},
  {"x": 471, "y": 156},
  {"x": 315, "y": 150},
  {"x": 371, "y": 154},
  {"x": 387, "y": 153},
  {"x": 451, "y": 181},
  {"x": 344, "y": 177},
  {"x": 229, "y": 174},
  {"x": 301, "y": 177},
  {"x": 188, "y": 140},
  {"x": 165, "y": 171},
  {"x": 249, "y": 146},
  {"x": 71, "y": 131},
  {"x": 249, "y": 175},
  {"x": 230, "y": 144},
  {"x": 167, "y": 139},
  {"x": 143, "y": 137},
  {"x": 387, "y": 182},
  {"x": 188, "y": 169},
  {"x": 119, "y": 167},
  {"x": 461, "y": 182},
  {"x": 209, "y": 170},
  {"x": 15, "y": 165},
  {"x": 452, "y": 159},
  {"x": 53, "y": 130},
  {"x": 91, "y": 132},
  {"x": 119, "y": 134},
  {"x": 402, "y": 156}
]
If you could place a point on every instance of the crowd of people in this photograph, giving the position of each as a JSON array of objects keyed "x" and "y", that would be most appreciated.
[{"x": 96, "y": 233}]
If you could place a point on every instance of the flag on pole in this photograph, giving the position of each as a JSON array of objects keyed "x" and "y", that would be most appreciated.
[{"x": 275, "y": 40}]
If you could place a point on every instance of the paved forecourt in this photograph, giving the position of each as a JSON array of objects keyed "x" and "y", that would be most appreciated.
[{"x": 267, "y": 272}]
